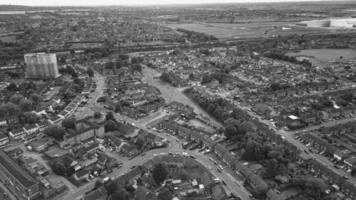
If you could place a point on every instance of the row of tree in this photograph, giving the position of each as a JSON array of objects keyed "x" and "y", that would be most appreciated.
[{"x": 18, "y": 104}]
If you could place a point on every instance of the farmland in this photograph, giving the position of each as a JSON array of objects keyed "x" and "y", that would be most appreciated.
[{"x": 245, "y": 30}]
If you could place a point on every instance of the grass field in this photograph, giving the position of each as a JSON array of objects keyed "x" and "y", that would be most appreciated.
[
  {"x": 11, "y": 39},
  {"x": 246, "y": 30},
  {"x": 325, "y": 56}
]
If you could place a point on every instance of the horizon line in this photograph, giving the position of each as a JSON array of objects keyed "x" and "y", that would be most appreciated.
[{"x": 181, "y": 4}]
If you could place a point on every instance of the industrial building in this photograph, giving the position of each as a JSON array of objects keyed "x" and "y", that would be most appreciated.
[
  {"x": 41, "y": 66},
  {"x": 331, "y": 23}
]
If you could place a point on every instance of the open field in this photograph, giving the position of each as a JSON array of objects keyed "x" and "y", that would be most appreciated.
[
  {"x": 325, "y": 56},
  {"x": 246, "y": 30}
]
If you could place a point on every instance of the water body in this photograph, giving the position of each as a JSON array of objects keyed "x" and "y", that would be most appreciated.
[{"x": 170, "y": 93}]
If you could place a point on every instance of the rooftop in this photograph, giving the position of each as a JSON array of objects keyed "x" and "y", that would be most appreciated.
[{"x": 16, "y": 171}]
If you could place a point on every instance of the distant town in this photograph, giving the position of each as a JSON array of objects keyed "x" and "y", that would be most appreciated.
[{"x": 191, "y": 102}]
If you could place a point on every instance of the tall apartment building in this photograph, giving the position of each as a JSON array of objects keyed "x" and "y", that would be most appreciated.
[
  {"x": 20, "y": 183},
  {"x": 41, "y": 65}
]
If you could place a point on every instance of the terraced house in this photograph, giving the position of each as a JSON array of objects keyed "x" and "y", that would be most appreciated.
[{"x": 21, "y": 184}]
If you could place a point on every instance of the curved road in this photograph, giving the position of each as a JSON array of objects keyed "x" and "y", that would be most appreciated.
[{"x": 232, "y": 185}]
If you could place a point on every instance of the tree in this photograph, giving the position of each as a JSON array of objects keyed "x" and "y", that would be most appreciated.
[
  {"x": 312, "y": 187},
  {"x": 252, "y": 148},
  {"x": 12, "y": 87},
  {"x": 246, "y": 126},
  {"x": 109, "y": 65},
  {"x": 3, "y": 111},
  {"x": 123, "y": 57},
  {"x": 136, "y": 67},
  {"x": 35, "y": 98},
  {"x": 26, "y": 105},
  {"x": 59, "y": 168},
  {"x": 159, "y": 173},
  {"x": 97, "y": 115},
  {"x": 118, "y": 107},
  {"x": 63, "y": 167},
  {"x": 111, "y": 187},
  {"x": 206, "y": 79},
  {"x": 29, "y": 118},
  {"x": 110, "y": 125},
  {"x": 11, "y": 109},
  {"x": 69, "y": 123},
  {"x": 230, "y": 132},
  {"x": 140, "y": 142},
  {"x": 119, "y": 194},
  {"x": 233, "y": 122},
  {"x": 165, "y": 77},
  {"x": 16, "y": 99},
  {"x": 55, "y": 131},
  {"x": 90, "y": 72},
  {"x": 110, "y": 116},
  {"x": 98, "y": 184},
  {"x": 101, "y": 100},
  {"x": 165, "y": 195},
  {"x": 274, "y": 168}
]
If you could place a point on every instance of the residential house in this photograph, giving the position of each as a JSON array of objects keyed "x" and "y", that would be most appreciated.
[
  {"x": 341, "y": 155},
  {"x": 256, "y": 185},
  {"x": 31, "y": 129},
  {"x": 18, "y": 180},
  {"x": 320, "y": 144},
  {"x": 4, "y": 139},
  {"x": 81, "y": 175},
  {"x": 17, "y": 134},
  {"x": 85, "y": 130},
  {"x": 349, "y": 189},
  {"x": 325, "y": 172},
  {"x": 351, "y": 161}
]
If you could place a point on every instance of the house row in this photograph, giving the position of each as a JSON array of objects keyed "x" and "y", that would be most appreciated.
[
  {"x": 301, "y": 90},
  {"x": 85, "y": 130},
  {"x": 329, "y": 175},
  {"x": 20, "y": 183},
  {"x": 21, "y": 132},
  {"x": 254, "y": 183},
  {"x": 324, "y": 146}
]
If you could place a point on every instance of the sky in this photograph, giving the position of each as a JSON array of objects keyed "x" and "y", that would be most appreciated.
[{"x": 128, "y": 2}]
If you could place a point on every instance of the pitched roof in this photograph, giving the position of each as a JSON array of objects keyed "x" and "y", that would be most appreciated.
[
  {"x": 82, "y": 173},
  {"x": 16, "y": 171}
]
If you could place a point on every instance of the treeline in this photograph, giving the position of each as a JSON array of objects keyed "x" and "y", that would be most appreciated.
[
  {"x": 292, "y": 59},
  {"x": 197, "y": 36}
]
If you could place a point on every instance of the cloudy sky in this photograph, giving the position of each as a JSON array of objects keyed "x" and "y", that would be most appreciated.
[{"x": 131, "y": 2}]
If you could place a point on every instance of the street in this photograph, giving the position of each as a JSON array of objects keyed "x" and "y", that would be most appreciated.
[
  {"x": 232, "y": 185},
  {"x": 289, "y": 136}
]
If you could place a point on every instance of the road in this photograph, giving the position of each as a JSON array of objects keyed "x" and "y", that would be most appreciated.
[
  {"x": 232, "y": 185},
  {"x": 92, "y": 106},
  {"x": 170, "y": 93}
]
